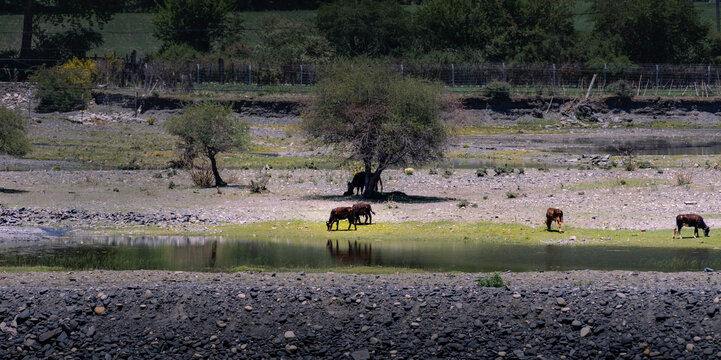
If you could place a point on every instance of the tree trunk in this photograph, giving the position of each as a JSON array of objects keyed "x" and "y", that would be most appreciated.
[
  {"x": 371, "y": 182},
  {"x": 27, "y": 38},
  {"x": 216, "y": 174}
]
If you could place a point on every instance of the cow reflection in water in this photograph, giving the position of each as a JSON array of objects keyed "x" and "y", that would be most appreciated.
[{"x": 356, "y": 254}]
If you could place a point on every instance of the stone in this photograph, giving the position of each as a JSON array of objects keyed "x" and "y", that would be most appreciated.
[
  {"x": 626, "y": 339},
  {"x": 361, "y": 354},
  {"x": 690, "y": 347},
  {"x": 99, "y": 310},
  {"x": 373, "y": 340},
  {"x": 48, "y": 335},
  {"x": 585, "y": 331},
  {"x": 516, "y": 296},
  {"x": 248, "y": 308},
  {"x": 415, "y": 324},
  {"x": 90, "y": 332},
  {"x": 572, "y": 238},
  {"x": 576, "y": 324},
  {"x": 291, "y": 348},
  {"x": 289, "y": 335},
  {"x": 560, "y": 301}
]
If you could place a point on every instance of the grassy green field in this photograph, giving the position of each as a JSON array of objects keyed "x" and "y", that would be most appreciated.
[
  {"x": 482, "y": 232},
  {"x": 127, "y": 32}
]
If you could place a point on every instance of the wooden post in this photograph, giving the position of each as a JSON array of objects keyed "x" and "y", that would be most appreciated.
[
  {"x": 590, "y": 86},
  {"x": 638, "y": 91}
]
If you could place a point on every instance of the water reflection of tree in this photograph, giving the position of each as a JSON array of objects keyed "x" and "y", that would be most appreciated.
[{"x": 356, "y": 254}]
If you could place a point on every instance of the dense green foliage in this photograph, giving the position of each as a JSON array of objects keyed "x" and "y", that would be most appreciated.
[
  {"x": 497, "y": 90},
  {"x": 12, "y": 133},
  {"x": 208, "y": 129},
  {"x": 365, "y": 27},
  {"x": 382, "y": 119},
  {"x": 650, "y": 31},
  {"x": 201, "y": 24},
  {"x": 540, "y": 30},
  {"x": 65, "y": 87},
  {"x": 78, "y": 19},
  {"x": 294, "y": 42}
]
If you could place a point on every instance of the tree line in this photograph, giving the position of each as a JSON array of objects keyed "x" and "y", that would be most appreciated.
[{"x": 435, "y": 31}]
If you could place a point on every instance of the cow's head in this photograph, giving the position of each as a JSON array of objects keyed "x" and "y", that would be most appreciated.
[
  {"x": 706, "y": 231},
  {"x": 328, "y": 225}
]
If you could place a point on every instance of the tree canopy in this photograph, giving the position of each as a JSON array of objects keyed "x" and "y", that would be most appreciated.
[
  {"x": 378, "y": 116},
  {"x": 76, "y": 17},
  {"x": 209, "y": 129},
  {"x": 198, "y": 23},
  {"x": 651, "y": 31}
]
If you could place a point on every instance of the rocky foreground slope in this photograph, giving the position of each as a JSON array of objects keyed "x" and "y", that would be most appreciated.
[{"x": 574, "y": 315}]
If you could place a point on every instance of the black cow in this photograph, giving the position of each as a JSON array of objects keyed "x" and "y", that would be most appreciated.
[{"x": 359, "y": 182}]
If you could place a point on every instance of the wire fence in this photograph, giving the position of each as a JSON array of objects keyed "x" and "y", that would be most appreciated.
[{"x": 523, "y": 78}]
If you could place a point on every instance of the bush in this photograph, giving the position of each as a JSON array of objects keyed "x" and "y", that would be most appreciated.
[
  {"x": 503, "y": 170},
  {"x": 201, "y": 175},
  {"x": 497, "y": 90},
  {"x": 621, "y": 88},
  {"x": 260, "y": 184},
  {"x": 683, "y": 179},
  {"x": 463, "y": 203},
  {"x": 494, "y": 280},
  {"x": 409, "y": 171},
  {"x": 65, "y": 87},
  {"x": 481, "y": 172},
  {"x": 447, "y": 173},
  {"x": 12, "y": 133}
]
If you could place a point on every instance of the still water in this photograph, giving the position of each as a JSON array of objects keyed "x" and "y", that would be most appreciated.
[{"x": 221, "y": 254}]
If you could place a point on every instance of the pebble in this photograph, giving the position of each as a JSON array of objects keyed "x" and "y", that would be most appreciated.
[
  {"x": 289, "y": 335},
  {"x": 560, "y": 301},
  {"x": 99, "y": 310}
]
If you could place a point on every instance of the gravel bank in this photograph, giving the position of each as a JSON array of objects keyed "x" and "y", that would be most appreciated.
[{"x": 574, "y": 315}]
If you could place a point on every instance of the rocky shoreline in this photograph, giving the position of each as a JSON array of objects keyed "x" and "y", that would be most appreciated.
[{"x": 151, "y": 314}]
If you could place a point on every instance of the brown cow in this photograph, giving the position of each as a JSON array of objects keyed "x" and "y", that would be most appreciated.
[
  {"x": 690, "y": 220},
  {"x": 340, "y": 213},
  {"x": 363, "y": 209},
  {"x": 553, "y": 214}
]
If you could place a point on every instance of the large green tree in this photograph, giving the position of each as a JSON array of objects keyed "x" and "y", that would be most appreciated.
[
  {"x": 198, "y": 23},
  {"x": 72, "y": 16},
  {"x": 650, "y": 31},
  {"x": 291, "y": 42},
  {"x": 12, "y": 133},
  {"x": 498, "y": 30},
  {"x": 379, "y": 117},
  {"x": 365, "y": 27},
  {"x": 209, "y": 129}
]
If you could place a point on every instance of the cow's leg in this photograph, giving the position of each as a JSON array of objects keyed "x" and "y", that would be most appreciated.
[
  {"x": 675, "y": 230},
  {"x": 549, "y": 221},
  {"x": 337, "y": 222},
  {"x": 560, "y": 226},
  {"x": 370, "y": 217},
  {"x": 695, "y": 232}
]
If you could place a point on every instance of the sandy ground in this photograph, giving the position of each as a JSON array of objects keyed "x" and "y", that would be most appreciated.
[{"x": 589, "y": 198}]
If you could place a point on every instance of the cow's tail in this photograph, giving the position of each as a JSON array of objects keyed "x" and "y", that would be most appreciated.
[{"x": 373, "y": 212}]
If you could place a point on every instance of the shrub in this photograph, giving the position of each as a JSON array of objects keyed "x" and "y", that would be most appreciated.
[
  {"x": 503, "y": 170},
  {"x": 432, "y": 172},
  {"x": 511, "y": 195},
  {"x": 65, "y": 87},
  {"x": 497, "y": 90},
  {"x": 201, "y": 175},
  {"x": 447, "y": 173},
  {"x": 12, "y": 133},
  {"x": 463, "y": 203},
  {"x": 683, "y": 179},
  {"x": 150, "y": 120},
  {"x": 409, "y": 171},
  {"x": 494, "y": 280},
  {"x": 621, "y": 88},
  {"x": 645, "y": 164},
  {"x": 260, "y": 183},
  {"x": 481, "y": 172}
]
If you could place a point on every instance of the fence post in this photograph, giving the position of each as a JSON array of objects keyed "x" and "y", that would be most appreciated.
[
  {"x": 604, "y": 76},
  {"x": 453, "y": 75},
  {"x": 554, "y": 76},
  {"x": 197, "y": 73},
  {"x": 403, "y": 75},
  {"x": 708, "y": 75},
  {"x": 301, "y": 75},
  {"x": 503, "y": 66},
  {"x": 250, "y": 73},
  {"x": 221, "y": 70},
  {"x": 656, "y": 77},
  {"x": 145, "y": 78},
  {"x": 136, "y": 104}
]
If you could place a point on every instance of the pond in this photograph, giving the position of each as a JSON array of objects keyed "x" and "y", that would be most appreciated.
[{"x": 222, "y": 254}]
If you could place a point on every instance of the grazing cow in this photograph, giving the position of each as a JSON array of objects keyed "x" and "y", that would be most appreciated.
[
  {"x": 553, "y": 214},
  {"x": 363, "y": 209},
  {"x": 359, "y": 182},
  {"x": 690, "y": 220},
  {"x": 340, "y": 213}
]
